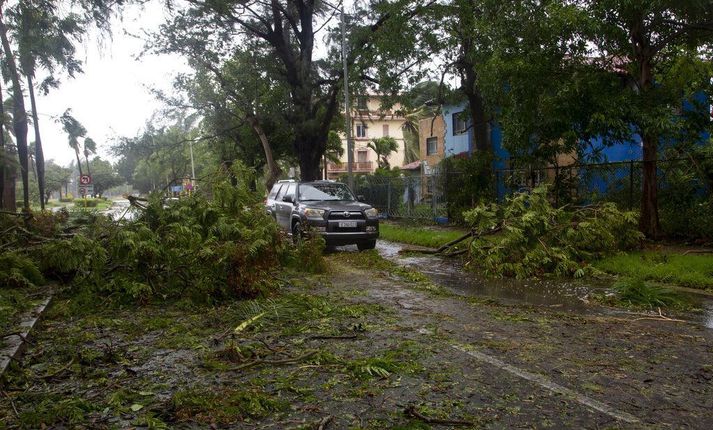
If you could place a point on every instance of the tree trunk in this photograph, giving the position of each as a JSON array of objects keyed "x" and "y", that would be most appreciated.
[
  {"x": 481, "y": 137},
  {"x": 79, "y": 163},
  {"x": 310, "y": 155},
  {"x": 89, "y": 172},
  {"x": 39, "y": 153},
  {"x": 3, "y": 155},
  {"x": 9, "y": 191},
  {"x": 469, "y": 87},
  {"x": 649, "y": 216},
  {"x": 19, "y": 114},
  {"x": 272, "y": 167}
]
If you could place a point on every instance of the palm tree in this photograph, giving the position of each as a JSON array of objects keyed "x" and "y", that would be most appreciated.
[
  {"x": 412, "y": 116},
  {"x": 74, "y": 130},
  {"x": 43, "y": 37},
  {"x": 19, "y": 113},
  {"x": 90, "y": 147},
  {"x": 383, "y": 146}
]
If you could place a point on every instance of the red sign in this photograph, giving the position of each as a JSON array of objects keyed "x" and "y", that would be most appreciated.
[{"x": 85, "y": 180}]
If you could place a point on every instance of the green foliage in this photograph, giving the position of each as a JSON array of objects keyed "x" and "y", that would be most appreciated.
[
  {"x": 51, "y": 412},
  {"x": 383, "y": 146},
  {"x": 538, "y": 239},
  {"x": 308, "y": 255},
  {"x": 87, "y": 202},
  {"x": 18, "y": 271},
  {"x": 466, "y": 182},
  {"x": 639, "y": 293},
  {"x": 223, "y": 407}
]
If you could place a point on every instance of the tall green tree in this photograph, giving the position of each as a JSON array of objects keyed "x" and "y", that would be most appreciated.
[
  {"x": 43, "y": 39},
  {"x": 383, "y": 147},
  {"x": 74, "y": 130},
  {"x": 288, "y": 29},
  {"x": 19, "y": 112},
  {"x": 90, "y": 147},
  {"x": 664, "y": 50}
]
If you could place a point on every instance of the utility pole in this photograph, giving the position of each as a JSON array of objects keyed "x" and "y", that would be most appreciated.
[
  {"x": 347, "y": 109},
  {"x": 193, "y": 168}
]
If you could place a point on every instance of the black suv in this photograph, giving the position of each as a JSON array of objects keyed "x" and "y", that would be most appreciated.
[{"x": 325, "y": 207}]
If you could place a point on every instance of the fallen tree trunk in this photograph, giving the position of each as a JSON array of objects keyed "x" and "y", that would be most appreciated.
[{"x": 447, "y": 249}]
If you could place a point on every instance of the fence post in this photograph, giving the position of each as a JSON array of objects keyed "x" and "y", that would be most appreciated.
[
  {"x": 388, "y": 197},
  {"x": 631, "y": 184},
  {"x": 433, "y": 195}
]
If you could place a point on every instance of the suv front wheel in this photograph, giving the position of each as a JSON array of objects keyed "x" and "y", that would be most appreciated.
[
  {"x": 367, "y": 244},
  {"x": 297, "y": 232}
]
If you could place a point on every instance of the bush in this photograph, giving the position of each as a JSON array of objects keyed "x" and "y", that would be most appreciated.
[
  {"x": 538, "y": 239},
  {"x": 87, "y": 203}
]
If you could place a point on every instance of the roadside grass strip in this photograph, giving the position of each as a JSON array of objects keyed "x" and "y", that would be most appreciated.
[
  {"x": 547, "y": 384},
  {"x": 421, "y": 236},
  {"x": 693, "y": 271}
]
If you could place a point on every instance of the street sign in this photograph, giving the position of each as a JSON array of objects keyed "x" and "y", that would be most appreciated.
[
  {"x": 86, "y": 190},
  {"x": 85, "y": 180}
]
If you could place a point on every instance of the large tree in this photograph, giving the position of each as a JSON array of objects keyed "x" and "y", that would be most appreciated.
[
  {"x": 19, "y": 112},
  {"x": 288, "y": 29},
  {"x": 44, "y": 39},
  {"x": 74, "y": 130},
  {"x": 660, "y": 47}
]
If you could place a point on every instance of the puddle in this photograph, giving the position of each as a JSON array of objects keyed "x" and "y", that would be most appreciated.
[
  {"x": 565, "y": 295},
  {"x": 449, "y": 274},
  {"x": 121, "y": 207}
]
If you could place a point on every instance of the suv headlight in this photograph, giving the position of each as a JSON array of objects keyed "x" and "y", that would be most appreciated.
[
  {"x": 314, "y": 213},
  {"x": 371, "y": 213}
]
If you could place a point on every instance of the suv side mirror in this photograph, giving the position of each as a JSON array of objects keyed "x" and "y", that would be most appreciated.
[
  {"x": 360, "y": 198},
  {"x": 288, "y": 199}
]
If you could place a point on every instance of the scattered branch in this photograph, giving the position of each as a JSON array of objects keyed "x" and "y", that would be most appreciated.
[
  {"x": 412, "y": 412},
  {"x": 272, "y": 362}
]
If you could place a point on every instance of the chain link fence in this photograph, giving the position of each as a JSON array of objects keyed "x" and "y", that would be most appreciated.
[
  {"x": 411, "y": 196},
  {"x": 683, "y": 185}
]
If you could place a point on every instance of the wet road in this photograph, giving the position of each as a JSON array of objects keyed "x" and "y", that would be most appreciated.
[{"x": 566, "y": 295}]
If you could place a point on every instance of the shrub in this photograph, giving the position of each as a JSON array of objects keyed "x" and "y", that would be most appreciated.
[
  {"x": 87, "y": 203},
  {"x": 537, "y": 238}
]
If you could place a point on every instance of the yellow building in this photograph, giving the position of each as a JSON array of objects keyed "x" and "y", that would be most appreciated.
[{"x": 369, "y": 122}]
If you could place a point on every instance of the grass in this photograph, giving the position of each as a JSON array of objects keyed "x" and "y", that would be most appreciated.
[
  {"x": 694, "y": 271},
  {"x": 431, "y": 237}
]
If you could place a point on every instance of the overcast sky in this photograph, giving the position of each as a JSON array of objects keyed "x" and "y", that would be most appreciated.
[{"x": 111, "y": 98}]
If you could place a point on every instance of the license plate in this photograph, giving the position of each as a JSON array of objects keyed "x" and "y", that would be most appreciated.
[{"x": 347, "y": 224}]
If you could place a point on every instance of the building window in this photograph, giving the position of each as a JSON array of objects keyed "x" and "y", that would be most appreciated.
[
  {"x": 459, "y": 125},
  {"x": 362, "y": 103},
  {"x": 361, "y": 130},
  {"x": 386, "y": 130},
  {"x": 361, "y": 156},
  {"x": 431, "y": 145}
]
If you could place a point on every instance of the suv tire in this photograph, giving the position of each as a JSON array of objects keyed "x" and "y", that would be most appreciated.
[
  {"x": 297, "y": 233},
  {"x": 367, "y": 244}
]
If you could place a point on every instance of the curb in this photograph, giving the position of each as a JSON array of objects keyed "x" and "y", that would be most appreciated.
[{"x": 16, "y": 343}]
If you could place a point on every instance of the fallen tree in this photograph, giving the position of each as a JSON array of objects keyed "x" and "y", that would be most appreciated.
[
  {"x": 534, "y": 238},
  {"x": 197, "y": 248}
]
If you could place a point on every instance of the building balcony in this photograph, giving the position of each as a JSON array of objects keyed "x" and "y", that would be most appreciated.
[{"x": 357, "y": 167}]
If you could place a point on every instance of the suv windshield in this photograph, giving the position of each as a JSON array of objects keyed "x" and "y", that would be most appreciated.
[{"x": 327, "y": 191}]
